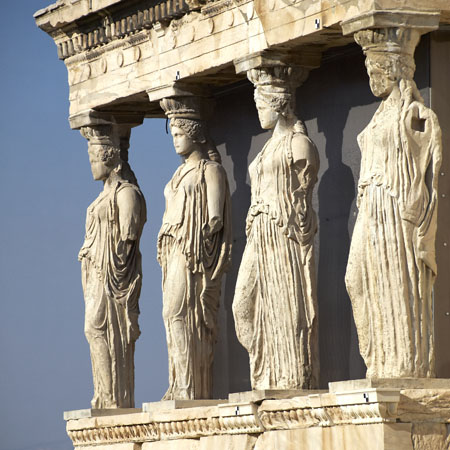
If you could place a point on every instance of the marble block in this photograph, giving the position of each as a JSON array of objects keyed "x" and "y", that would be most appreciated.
[
  {"x": 88, "y": 413},
  {"x": 167, "y": 405},
  {"x": 180, "y": 444},
  {"x": 257, "y": 396},
  {"x": 228, "y": 442},
  {"x": 393, "y": 383},
  {"x": 115, "y": 446},
  {"x": 355, "y": 437}
]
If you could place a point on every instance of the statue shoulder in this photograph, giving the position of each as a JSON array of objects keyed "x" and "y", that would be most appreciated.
[
  {"x": 303, "y": 148},
  {"x": 213, "y": 169},
  {"x": 128, "y": 196}
]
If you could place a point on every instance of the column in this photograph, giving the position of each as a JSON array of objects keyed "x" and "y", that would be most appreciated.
[
  {"x": 392, "y": 266},
  {"x": 275, "y": 303},
  {"x": 194, "y": 246},
  {"x": 111, "y": 261}
]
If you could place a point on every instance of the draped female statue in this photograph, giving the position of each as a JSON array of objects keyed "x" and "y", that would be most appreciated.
[
  {"x": 275, "y": 305},
  {"x": 194, "y": 250},
  {"x": 111, "y": 270},
  {"x": 392, "y": 266}
]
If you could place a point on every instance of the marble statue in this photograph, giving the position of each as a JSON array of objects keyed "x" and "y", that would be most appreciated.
[
  {"x": 194, "y": 250},
  {"x": 111, "y": 269},
  {"x": 392, "y": 266},
  {"x": 275, "y": 304}
]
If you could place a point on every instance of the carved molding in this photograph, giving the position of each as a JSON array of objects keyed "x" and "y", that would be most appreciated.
[
  {"x": 103, "y": 435},
  {"x": 216, "y": 7},
  {"x": 298, "y": 417},
  {"x": 249, "y": 419},
  {"x": 118, "y": 27},
  {"x": 92, "y": 55},
  {"x": 176, "y": 429}
]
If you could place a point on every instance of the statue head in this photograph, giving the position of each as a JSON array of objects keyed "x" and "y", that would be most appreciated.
[
  {"x": 389, "y": 57},
  {"x": 275, "y": 89},
  {"x": 188, "y": 130},
  {"x": 104, "y": 151}
]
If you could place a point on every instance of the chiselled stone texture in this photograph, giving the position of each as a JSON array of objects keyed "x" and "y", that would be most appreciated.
[{"x": 430, "y": 436}]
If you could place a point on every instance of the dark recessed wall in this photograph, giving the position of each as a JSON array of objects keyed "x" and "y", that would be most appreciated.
[{"x": 336, "y": 105}]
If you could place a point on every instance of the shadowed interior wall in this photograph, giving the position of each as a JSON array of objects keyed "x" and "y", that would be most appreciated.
[
  {"x": 440, "y": 102},
  {"x": 336, "y": 104}
]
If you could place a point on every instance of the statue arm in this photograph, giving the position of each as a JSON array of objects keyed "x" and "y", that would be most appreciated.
[
  {"x": 129, "y": 207},
  {"x": 305, "y": 162},
  {"x": 305, "y": 156},
  {"x": 215, "y": 194}
]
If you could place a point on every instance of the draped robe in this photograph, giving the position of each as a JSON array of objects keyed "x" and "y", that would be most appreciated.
[
  {"x": 112, "y": 279},
  {"x": 392, "y": 266},
  {"x": 192, "y": 265},
  {"x": 275, "y": 303}
]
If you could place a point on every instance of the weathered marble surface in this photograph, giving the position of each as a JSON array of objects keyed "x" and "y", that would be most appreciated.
[
  {"x": 194, "y": 250},
  {"x": 356, "y": 437},
  {"x": 374, "y": 418},
  {"x": 275, "y": 304},
  {"x": 111, "y": 269},
  {"x": 228, "y": 442},
  {"x": 391, "y": 265}
]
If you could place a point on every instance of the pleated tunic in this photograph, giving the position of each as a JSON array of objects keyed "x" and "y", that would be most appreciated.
[
  {"x": 392, "y": 265},
  {"x": 112, "y": 279},
  {"x": 192, "y": 263},
  {"x": 275, "y": 305}
]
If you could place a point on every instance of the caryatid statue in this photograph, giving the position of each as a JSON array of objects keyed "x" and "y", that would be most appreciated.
[
  {"x": 111, "y": 269},
  {"x": 392, "y": 266},
  {"x": 275, "y": 303},
  {"x": 194, "y": 250}
]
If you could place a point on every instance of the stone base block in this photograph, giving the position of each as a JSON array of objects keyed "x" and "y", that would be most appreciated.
[
  {"x": 430, "y": 436},
  {"x": 114, "y": 446},
  {"x": 391, "y": 383},
  {"x": 87, "y": 413},
  {"x": 357, "y": 416},
  {"x": 166, "y": 405},
  {"x": 269, "y": 394},
  {"x": 179, "y": 444},
  {"x": 354, "y": 437},
  {"x": 229, "y": 442}
]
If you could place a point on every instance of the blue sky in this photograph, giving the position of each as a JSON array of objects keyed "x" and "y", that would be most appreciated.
[{"x": 46, "y": 186}]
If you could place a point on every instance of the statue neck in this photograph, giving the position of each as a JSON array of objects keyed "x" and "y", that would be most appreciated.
[
  {"x": 194, "y": 157},
  {"x": 284, "y": 125},
  {"x": 112, "y": 180}
]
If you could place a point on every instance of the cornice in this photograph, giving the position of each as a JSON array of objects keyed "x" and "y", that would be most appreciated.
[{"x": 106, "y": 26}]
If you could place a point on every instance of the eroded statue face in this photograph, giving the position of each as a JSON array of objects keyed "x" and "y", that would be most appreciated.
[
  {"x": 182, "y": 142},
  {"x": 381, "y": 84},
  {"x": 100, "y": 171},
  {"x": 268, "y": 117}
]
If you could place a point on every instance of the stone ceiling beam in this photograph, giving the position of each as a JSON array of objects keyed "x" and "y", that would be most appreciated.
[
  {"x": 118, "y": 51},
  {"x": 423, "y": 21},
  {"x": 93, "y": 118}
]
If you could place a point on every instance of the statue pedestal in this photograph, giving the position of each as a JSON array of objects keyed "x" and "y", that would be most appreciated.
[
  {"x": 257, "y": 396},
  {"x": 358, "y": 414},
  {"x": 167, "y": 405},
  {"x": 88, "y": 413}
]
